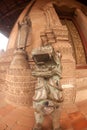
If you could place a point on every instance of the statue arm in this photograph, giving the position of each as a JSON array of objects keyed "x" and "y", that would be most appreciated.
[
  {"x": 42, "y": 74},
  {"x": 47, "y": 72},
  {"x": 56, "y": 71}
]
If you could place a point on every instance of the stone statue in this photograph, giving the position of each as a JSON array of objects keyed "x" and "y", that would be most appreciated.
[
  {"x": 48, "y": 91},
  {"x": 23, "y": 31}
]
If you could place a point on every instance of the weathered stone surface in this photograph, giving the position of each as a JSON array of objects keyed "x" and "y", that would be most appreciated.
[
  {"x": 19, "y": 76},
  {"x": 20, "y": 87}
]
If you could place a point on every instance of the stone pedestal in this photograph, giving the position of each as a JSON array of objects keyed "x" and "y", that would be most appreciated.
[{"x": 20, "y": 87}]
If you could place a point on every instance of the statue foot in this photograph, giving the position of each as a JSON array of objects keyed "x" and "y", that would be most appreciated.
[
  {"x": 37, "y": 127},
  {"x": 58, "y": 128}
]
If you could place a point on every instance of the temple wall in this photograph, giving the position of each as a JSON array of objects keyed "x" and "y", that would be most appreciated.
[
  {"x": 44, "y": 19},
  {"x": 81, "y": 84},
  {"x": 5, "y": 60},
  {"x": 72, "y": 79},
  {"x": 38, "y": 24},
  {"x": 81, "y": 20},
  {"x": 81, "y": 76}
]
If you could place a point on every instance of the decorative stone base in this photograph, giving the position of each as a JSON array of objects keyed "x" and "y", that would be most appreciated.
[{"x": 20, "y": 86}]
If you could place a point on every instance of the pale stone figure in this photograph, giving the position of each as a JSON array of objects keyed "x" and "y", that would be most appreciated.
[
  {"x": 23, "y": 32},
  {"x": 48, "y": 91}
]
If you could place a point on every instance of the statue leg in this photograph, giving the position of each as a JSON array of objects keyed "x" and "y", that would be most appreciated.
[
  {"x": 56, "y": 119},
  {"x": 39, "y": 118}
]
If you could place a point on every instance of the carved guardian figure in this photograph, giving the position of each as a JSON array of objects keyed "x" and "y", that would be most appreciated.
[
  {"x": 23, "y": 32},
  {"x": 48, "y": 92}
]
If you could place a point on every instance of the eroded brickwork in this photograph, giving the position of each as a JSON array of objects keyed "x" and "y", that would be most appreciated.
[
  {"x": 15, "y": 69},
  {"x": 19, "y": 82}
]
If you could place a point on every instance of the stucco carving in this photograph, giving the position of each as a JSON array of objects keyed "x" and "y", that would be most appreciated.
[
  {"x": 77, "y": 43},
  {"x": 48, "y": 92},
  {"x": 19, "y": 82},
  {"x": 52, "y": 19},
  {"x": 23, "y": 32}
]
